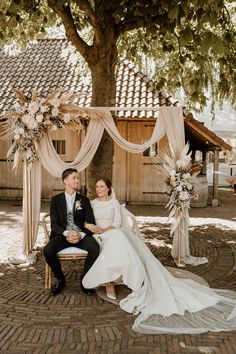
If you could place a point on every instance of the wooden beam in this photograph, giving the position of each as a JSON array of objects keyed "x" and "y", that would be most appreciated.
[
  {"x": 215, "y": 201},
  {"x": 204, "y": 164},
  {"x": 202, "y": 133}
]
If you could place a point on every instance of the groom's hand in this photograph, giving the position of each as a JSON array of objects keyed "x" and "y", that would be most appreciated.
[{"x": 73, "y": 236}]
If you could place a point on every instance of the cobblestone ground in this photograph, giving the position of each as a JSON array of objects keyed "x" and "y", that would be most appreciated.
[{"x": 33, "y": 322}]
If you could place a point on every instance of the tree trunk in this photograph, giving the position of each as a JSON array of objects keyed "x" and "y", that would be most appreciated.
[{"x": 103, "y": 95}]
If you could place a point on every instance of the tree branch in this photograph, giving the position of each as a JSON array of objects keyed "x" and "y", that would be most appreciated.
[
  {"x": 71, "y": 32},
  {"x": 129, "y": 25},
  {"x": 85, "y": 6},
  {"x": 134, "y": 22}
]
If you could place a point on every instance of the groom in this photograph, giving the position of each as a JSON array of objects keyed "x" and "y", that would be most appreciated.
[{"x": 69, "y": 211}]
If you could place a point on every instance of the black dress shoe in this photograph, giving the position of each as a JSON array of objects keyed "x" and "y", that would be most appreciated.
[
  {"x": 58, "y": 287},
  {"x": 86, "y": 291}
]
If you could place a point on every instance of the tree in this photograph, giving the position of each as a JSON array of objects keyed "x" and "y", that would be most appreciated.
[{"x": 192, "y": 42}]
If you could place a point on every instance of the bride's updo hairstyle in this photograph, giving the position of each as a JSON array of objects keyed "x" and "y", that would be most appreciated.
[{"x": 107, "y": 182}]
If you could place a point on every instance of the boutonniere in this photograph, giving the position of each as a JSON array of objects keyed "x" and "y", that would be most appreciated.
[{"x": 78, "y": 205}]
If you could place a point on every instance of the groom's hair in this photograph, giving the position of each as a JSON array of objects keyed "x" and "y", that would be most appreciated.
[
  {"x": 67, "y": 172},
  {"x": 107, "y": 182}
]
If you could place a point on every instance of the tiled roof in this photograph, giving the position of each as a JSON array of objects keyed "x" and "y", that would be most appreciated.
[
  {"x": 207, "y": 137},
  {"x": 40, "y": 66},
  {"x": 44, "y": 66}
]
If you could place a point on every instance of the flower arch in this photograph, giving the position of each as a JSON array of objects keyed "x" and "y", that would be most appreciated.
[{"x": 29, "y": 124}]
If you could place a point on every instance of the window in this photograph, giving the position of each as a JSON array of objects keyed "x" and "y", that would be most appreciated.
[
  {"x": 60, "y": 146},
  {"x": 152, "y": 151}
]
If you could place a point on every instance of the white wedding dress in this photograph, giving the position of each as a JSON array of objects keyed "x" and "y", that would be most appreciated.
[
  {"x": 163, "y": 303},
  {"x": 117, "y": 257}
]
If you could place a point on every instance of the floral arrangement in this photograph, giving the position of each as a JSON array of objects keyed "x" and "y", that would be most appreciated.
[
  {"x": 32, "y": 117},
  {"x": 179, "y": 173}
]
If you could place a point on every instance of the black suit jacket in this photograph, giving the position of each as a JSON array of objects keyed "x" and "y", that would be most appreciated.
[{"x": 58, "y": 214}]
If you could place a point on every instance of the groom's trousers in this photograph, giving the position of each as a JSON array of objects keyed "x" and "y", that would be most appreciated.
[{"x": 58, "y": 243}]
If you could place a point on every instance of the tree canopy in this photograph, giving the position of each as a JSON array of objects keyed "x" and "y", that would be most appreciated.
[{"x": 191, "y": 42}]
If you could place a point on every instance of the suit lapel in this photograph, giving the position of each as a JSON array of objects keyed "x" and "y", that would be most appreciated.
[{"x": 63, "y": 206}]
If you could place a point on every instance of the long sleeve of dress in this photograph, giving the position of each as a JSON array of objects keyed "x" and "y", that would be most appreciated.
[{"x": 117, "y": 215}]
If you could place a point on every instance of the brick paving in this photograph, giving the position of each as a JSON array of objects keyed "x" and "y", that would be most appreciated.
[{"x": 33, "y": 322}]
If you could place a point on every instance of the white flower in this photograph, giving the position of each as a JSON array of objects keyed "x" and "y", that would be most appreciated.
[
  {"x": 39, "y": 118},
  {"x": 179, "y": 188},
  {"x": 21, "y": 131},
  {"x": 183, "y": 163},
  {"x": 183, "y": 196},
  {"x": 16, "y": 106},
  {"x": 29, "y": 121},
  {"x": 67, "y": 118},
  {"x": 32, "y": 124},
  {"x": 53, "y": 127},
  {"x": 189, "y": 186},
  {"x": 78, "y": 205},
  {"x": 55, "y": 112},
  {"x": 55, "y": 102},
  {"x": 186, "y": 175},
  {"x": 33, "y": 107},
  {"x": 44, "y": 109}
]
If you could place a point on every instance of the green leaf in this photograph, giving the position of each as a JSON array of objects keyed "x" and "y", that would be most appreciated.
[
  {"x": 206, "y": 42},
  {"x": 186, "y": 36},
  {"x": 218, "y": 46},
  {"x": 173, "y": 13}
]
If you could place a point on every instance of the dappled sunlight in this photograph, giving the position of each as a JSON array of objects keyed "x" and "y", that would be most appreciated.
[
  {"x": 198, "y": 348},
  {"x": 194, "y": 221},
  {"x": 158, "y": 243}
]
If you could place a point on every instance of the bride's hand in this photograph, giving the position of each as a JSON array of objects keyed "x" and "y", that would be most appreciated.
[
  {"x": 93, "y": 228},
  {"x": 88, "y": 226}
]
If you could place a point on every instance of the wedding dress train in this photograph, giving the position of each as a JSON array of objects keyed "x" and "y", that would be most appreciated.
[{"x": 162, "y": 302}]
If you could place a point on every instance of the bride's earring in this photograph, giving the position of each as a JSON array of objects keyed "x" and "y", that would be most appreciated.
[{"x": 110, "y": 290}]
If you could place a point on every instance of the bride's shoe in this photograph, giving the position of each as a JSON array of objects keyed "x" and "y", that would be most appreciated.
[
  {"x": 110, "y": 291},
  {"x": 111, "y": 296}
]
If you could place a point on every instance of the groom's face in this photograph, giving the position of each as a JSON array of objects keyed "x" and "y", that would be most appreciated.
[{"x": 72, "y": 181}]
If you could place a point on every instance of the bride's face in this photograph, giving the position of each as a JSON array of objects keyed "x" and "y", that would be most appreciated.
[{"x": 101, "y": 189}]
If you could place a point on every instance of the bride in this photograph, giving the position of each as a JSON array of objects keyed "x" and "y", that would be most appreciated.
[{"x": 163, "y": 303}]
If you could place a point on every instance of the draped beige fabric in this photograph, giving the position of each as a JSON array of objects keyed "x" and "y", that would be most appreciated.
[
  {"x": 31, "y": 203},
  {"x": 174, "y": 127},
  {"x": 53, "y": 163},
  {"x": 170, "y": 121}
]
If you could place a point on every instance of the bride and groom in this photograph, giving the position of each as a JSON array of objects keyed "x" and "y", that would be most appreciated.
[{"x": 117, "y": 253}]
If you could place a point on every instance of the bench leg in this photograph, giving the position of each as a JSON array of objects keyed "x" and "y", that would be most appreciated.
[{"x": 48, "y": 277}]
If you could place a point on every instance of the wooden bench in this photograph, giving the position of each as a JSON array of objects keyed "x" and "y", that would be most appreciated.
[{"x": 68, "y": 254}]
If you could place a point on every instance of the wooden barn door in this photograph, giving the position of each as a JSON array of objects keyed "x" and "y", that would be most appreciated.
[{"x": 145, "y": 185}]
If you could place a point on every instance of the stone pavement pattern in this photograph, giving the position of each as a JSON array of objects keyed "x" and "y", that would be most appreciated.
[{"x": 33, "y": 322}]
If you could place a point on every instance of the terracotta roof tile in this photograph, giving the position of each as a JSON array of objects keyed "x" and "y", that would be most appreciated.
[{"x": 42, "y": 66}]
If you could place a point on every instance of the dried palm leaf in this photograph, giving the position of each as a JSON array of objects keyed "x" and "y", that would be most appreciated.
[
  {"x": 34, "y": 95},
  {"x": 72, "y": 109},
  {"x": 70, "y": 96},
  {"x": 19, "y": 95},
  {"x": 75, "y": 125},
  {"x": 51, "y": 95},
  {"x": 5, "y": 130}
]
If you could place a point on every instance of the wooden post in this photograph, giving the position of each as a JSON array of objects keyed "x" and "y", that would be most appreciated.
[
  {"x": 204, "y": 165},
  {"x": 215, "y": 201}
]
